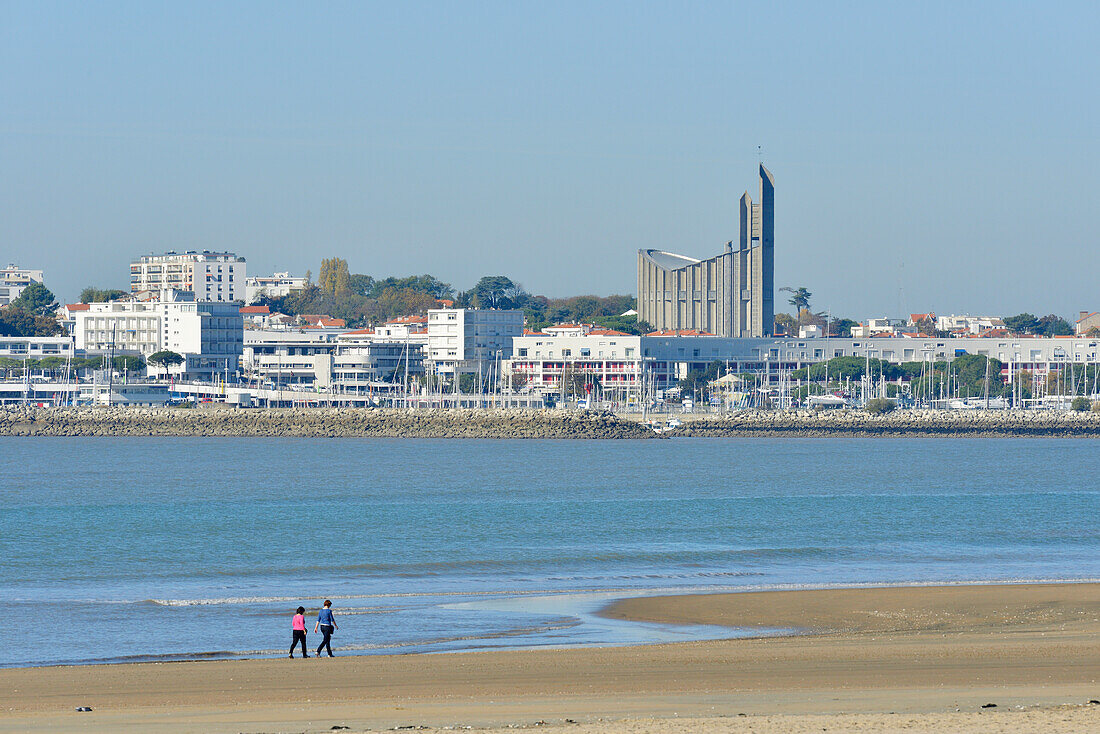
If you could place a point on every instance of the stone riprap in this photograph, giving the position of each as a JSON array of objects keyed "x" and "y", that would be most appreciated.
[
  {"x": 898, "y": 423},
  {"x": 330, "y": 422}
]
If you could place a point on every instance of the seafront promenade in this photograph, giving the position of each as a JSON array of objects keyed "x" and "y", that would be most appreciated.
[{"x": 533, "y": 424}]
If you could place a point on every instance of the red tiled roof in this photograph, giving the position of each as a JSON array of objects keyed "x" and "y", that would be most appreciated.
[
  {"x": 409, "y": 320},
  {"x": 445, "y": 302},
  {"x": 77, "y": 306},
  {"x": 255, "y": 310},
  {"x": 359, "y": 332},
  {"x": 607, "y": 332}
]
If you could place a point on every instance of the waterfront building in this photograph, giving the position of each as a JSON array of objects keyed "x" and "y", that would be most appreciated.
[
  {"x": 211, "y": 276},
  {"x": 36, "y": 347},
  {"x": 730, "y": 294},
  {"x": 278, "y": 285},
  {"x": 352, "y": 362},
  {"x": 469, "y": 341},
  {"x": 13, "y": 280},
  {"x": 208, "y": 335},
  {"x": 629, "y": 367}
]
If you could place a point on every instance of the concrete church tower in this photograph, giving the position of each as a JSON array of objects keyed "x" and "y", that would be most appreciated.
[{"x": 731, "y": 294}]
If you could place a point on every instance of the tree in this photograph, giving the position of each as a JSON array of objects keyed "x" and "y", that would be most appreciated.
[
  {"x": 18, "y": 321},
  {"x": 1093, "y": 332},
  {"x": 1024, "y": 323},
  {"x": 165, "y": 358},
  {"x": 91, "y": 294},
  {"x": 335, "y": 280},
  {"x": 492, "y": 291},
  {"x": 800, "y": 299},
  {"x": 37, "y": 299},
  {"x": 842, "y": 327},
  {"x": 786, "y": 324},
  {"x": 1051, "y": 325}
]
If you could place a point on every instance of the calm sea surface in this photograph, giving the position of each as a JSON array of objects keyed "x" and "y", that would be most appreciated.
[{"x": 134, "y": 549}]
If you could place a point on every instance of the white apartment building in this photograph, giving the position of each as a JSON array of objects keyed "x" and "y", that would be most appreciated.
[
  {"x": 309, "y": 359},
  {"x": 464, "y": 340},
  {"x": 208, "y": 335},
  {"x": 211, "y": 276},
  {"x": 277, "y": 285},
  {"x": 13, "y": 280}
]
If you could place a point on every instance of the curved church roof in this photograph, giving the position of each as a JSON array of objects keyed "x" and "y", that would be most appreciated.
[{"x": 668, "y": 260}]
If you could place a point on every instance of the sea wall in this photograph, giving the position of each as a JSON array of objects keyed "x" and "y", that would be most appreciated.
[
  {"x": 334, "y": 422},
  {"x": 898, "y": 423},
  {"x": 393, "y": 423}
]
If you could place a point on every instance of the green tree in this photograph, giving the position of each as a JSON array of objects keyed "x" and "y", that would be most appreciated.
[
  {"x": 842, "y": 327},
  {"x": 493, "y": 291},
  {"x": 18, "y": 321},
  {"x": 91, "y": 294},
  {"x": 165, "y": 358},
  {"x": 1052, "y": 325},
  {"x": 1024, "y": 323},
  {"x": 37, "y": 299},
  {"x": 800, "y": 299}
]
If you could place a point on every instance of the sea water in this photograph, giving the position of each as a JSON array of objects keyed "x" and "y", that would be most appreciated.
[{"x": 115, "y": 549}]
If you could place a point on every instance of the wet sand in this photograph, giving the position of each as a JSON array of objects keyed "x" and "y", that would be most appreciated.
[{"x": 894, "y": 659}]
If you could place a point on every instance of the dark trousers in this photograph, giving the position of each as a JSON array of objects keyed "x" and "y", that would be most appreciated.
[
  {"x": 326, "y": 630},
  {"x": 299, "y": 636}
]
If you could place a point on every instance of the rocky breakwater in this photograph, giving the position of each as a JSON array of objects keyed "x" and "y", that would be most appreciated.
[
  {"x": 331, "y": 422},
  {"x": 898, "y": 423}
]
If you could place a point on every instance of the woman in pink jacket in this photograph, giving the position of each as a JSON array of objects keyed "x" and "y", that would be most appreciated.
[{"x": 298, "y": 626}]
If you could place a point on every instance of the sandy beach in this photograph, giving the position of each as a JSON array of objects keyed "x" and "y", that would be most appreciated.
[{"x": 884, "y": 659}]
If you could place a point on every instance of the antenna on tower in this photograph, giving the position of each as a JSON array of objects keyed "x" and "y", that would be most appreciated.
[{"x": 760, "y": 154}]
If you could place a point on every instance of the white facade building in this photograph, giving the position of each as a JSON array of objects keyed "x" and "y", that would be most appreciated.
[
  {"x": 277, "y": 285},
  {"x": 13, "y": 280},
  {"x": 969, "y": 324},
  {"x": 622, "y": 364},
  {"x": 208, "y": 335},
  {"x": 464, "y": 340},
  {"x": 35, "y": 347},
  {"x": 308, "y": 359},
  {"x": 211, "y": 276}
]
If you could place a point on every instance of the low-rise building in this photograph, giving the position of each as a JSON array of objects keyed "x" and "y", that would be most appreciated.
[
  {"x": 278, "y": 285},
  {"x": 1087, "y": 322}
]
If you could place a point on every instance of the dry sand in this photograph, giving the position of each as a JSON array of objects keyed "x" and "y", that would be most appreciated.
[{"x": 895, "y": 659}]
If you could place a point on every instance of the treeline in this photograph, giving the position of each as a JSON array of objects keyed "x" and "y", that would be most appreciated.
[
  {"x": 12, "y": 367},
  {"x": 362, "y": 300}
]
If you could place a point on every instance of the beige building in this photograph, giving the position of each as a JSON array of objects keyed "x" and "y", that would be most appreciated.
[
  {"x": 731, "y": 294},
  {"x": 211, "y": 276}
]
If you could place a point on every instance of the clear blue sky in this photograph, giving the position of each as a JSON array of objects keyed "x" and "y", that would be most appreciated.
[{"x": 926, "y": 155}]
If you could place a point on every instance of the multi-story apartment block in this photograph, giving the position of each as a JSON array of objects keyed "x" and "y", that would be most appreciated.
[
  {"x": 463, "y": 340},
  {"x": 211, "y": 276},
  {"x": 208, "y": 335},
  {"x": 278, "y": 285},
  {"x": 13, "y": 280}
]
